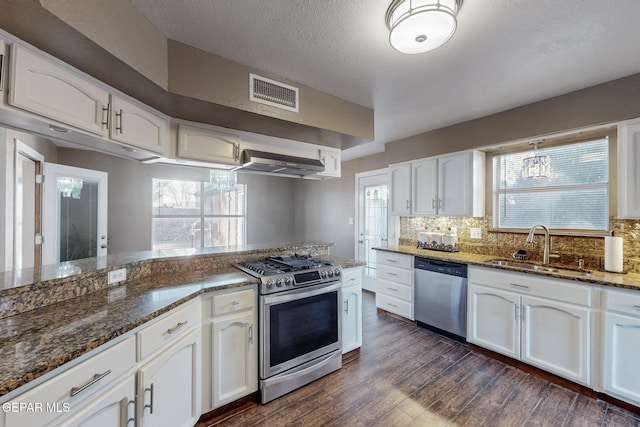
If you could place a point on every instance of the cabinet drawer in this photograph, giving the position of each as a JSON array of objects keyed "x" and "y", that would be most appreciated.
[
  {"x": 395, "y": 290},
  {"x": 352, "y": 277},
  {"x": 74, "y": 384},
  {"x": 532, "y": 284},
  {"x": 232, "y": 302},
  {"x": 394, "y": 259},
  {"x": 168, "y": 329},
  {"x": 394, "y": 274},
  {"x": 623, "y": 301},
  {"x": 394, "y": 305}
]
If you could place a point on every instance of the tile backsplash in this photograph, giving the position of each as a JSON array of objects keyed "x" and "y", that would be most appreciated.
[{"x": 566, "y": 250}]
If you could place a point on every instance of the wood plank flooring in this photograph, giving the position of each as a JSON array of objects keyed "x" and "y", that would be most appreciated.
[{"x": 408, "y": 376}]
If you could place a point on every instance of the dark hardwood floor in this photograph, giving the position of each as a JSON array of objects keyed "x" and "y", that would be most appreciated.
[{"x": 408, "y": 376}]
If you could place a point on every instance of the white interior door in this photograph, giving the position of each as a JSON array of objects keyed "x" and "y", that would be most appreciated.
[
  {"x": 373, "y": 219},
  {"x": 74, "y": 221}
]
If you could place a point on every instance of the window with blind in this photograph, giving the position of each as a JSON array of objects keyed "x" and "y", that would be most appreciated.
[
  {"x": 574, "y": 197},
  {"x": 192, "y": 214}
]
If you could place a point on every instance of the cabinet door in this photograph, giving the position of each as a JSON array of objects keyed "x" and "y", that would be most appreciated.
[
  {"x": 629, "y": 170},
  {"x": 424, "y": 182},
  {"x": 235, "y": 357},
  {"x": 400, "y": 177},
  {"x": 555, "y": 337},
  {"x": 207, "y": 145},
  {"x": 622, "y": 346},
  {"x": 114, "y": 407},
  {"x": 493, "y": 320},
  {"x": 168, "y": 386},
  {"x": 136, "y": 126},
  {"x": 51, "y": 90},
  {"x": 351, "y": 318},
  {"x": 454, "y": 177}
]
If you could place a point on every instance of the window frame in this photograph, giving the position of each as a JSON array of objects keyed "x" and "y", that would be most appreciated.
[
  {"x": 570, "y": 140},
  {"x": 201, "y": 216}
]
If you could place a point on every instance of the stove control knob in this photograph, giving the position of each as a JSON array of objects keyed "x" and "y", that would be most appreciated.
[
  {"x": 330, "y": 273},
  {"x": 288, "y": 280},
  {"x": 269, "y": 284},
  {"x": 323, "y": 274},
  {"x": 336, "y": 272},
  {"x": 278, "y": 282}
]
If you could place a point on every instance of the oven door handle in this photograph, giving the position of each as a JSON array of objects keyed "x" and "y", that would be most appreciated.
[{"x": 301, "y": 293}]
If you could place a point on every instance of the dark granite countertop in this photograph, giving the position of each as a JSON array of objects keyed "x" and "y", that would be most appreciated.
[
  {"x": 627, "y": 281},
  {"x": 38, "y": 341}
]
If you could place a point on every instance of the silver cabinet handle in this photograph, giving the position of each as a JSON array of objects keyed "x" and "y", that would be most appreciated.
[
  {"x": 346, "y": 306},
  {"x": 433, "y": 203},
  {"x": 234, "y": 303},
  {"x": 440, "y": 203},
  {"x": 1, "y": 73},
  {"x": 392, "y": 289},
  {"x": 391, "y": 260},
  {"x": 119, "y": 122},
  {"x": 250, "y": 334},
  {"x": 523, "y": 287},
  {"x": 150, "y": 405},
  {"x": 105, "y": 116},
  {"x": 392, "y": 305},
  {"x": 408, "y": 204},
  {"x": 95, "y": 379},
  {"x": 176, "y": 328},
  {"x": 637, "y": 307},
  {"x": 391, "y": 274},
  {"x": 124, "y": 411}
]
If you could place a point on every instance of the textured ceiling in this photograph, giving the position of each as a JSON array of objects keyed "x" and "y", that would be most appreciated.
[{"x": 505, "y": 53}]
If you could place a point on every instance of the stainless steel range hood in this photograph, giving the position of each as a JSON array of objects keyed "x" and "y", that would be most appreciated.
[{"x": 261, "y": 161}]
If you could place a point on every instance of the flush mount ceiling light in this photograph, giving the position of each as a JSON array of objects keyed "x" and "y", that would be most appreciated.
[
  {"x": 536, "y": 166},
  {"x": 419, "y": 26}
]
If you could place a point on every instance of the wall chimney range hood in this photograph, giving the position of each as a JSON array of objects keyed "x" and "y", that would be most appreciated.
[{"x": 261, "y": 161}]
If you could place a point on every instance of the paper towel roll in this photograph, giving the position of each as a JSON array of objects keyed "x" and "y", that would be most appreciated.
[{"x": 613, "y": 254}]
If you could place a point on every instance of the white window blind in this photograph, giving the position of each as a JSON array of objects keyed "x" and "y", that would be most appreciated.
[{"x": 574, "y": 197}]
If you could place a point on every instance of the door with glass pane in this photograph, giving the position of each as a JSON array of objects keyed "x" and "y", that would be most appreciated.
[
  {"x": 74, "y": 213},
  {"x": 373, "y": 216}
]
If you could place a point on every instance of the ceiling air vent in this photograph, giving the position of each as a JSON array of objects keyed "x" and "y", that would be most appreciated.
[{"x": 270, "y": 92}]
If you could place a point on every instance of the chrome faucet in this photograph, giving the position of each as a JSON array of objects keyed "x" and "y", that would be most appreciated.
[{"x": 545, "y": 256}]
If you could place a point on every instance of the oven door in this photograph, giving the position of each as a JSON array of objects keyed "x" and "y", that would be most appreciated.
[{"x": 298, "y": 326}]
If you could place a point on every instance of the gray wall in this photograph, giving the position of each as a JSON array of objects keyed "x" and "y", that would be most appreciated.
[{"x": 269, "y": 199}]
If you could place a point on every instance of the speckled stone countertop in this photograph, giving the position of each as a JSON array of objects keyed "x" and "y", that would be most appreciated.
[
  {"x": 628, "y": 281},
  {"x": 35, "y": 342}
]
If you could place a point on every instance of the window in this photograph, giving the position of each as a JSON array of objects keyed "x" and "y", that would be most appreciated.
[
  {"x": 191, "y": 214},
  {"x": 574, "y": 197}
]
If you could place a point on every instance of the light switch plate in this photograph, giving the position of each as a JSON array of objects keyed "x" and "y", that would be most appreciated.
[
  {"x": 475, "y": 233},
  {"x": 117, "y": 276}
]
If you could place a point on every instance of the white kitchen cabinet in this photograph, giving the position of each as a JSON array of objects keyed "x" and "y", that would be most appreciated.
[
  {"x": 542, "y": 321},
  {"x": 230, "y": 353},
  {"x": 394, "y": 283},
  {"x": 332, "y": 163},
  {"x": 448, "y": 185},
  {"x": 351, "y": 309},
  {"x": 114, "y": 407},
  {"x": 168, "y": 391},
  {"x": 400, "y": 197},
  {"x": 622, "y": 345},
  {"x": 493, "y": 320},
  {"x": 201, "y": 143},
  {"x": 49, "y": 89},
  {"x": 134, "y": 125},
  {"x": 71, "y": 389},
  {"x": 629, "y": 169}
]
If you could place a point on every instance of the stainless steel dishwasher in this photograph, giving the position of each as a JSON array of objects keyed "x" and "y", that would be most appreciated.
[{"x": 441, "y": 296}]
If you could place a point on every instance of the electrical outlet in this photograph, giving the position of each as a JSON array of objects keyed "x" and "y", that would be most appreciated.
[
  {"x": 475, "y": 233},
  {"x": 117, "y": 293},
  {"x": 117, "y": 276}
]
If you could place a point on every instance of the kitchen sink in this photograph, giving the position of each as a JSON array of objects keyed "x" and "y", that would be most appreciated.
[{"x": 538, "y": 267}]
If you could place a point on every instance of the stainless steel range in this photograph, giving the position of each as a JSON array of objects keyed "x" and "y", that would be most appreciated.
[{"x": 299, "y": 321}]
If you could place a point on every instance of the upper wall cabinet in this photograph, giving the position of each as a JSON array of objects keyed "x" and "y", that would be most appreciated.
[
  {"x": 451, "y": 185},
  {"x": 200, "y": 143},
  {"x": 56, "y": 92},
  {"x": 629, "y": 169},
  {"x": 137, "y": 126}
]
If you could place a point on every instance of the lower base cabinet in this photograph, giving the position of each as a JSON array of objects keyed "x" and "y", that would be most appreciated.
[
  {"x": 113, "y": 408},
  {"x": 351, "y": 309},
  {"x": 169, "y": 386}
]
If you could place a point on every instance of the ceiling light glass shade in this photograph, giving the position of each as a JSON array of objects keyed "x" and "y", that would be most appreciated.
[
  {"x": 70, "y": 187},
  {"x": 418, "y": 26},
  {"x": 223, "y": 180}
]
